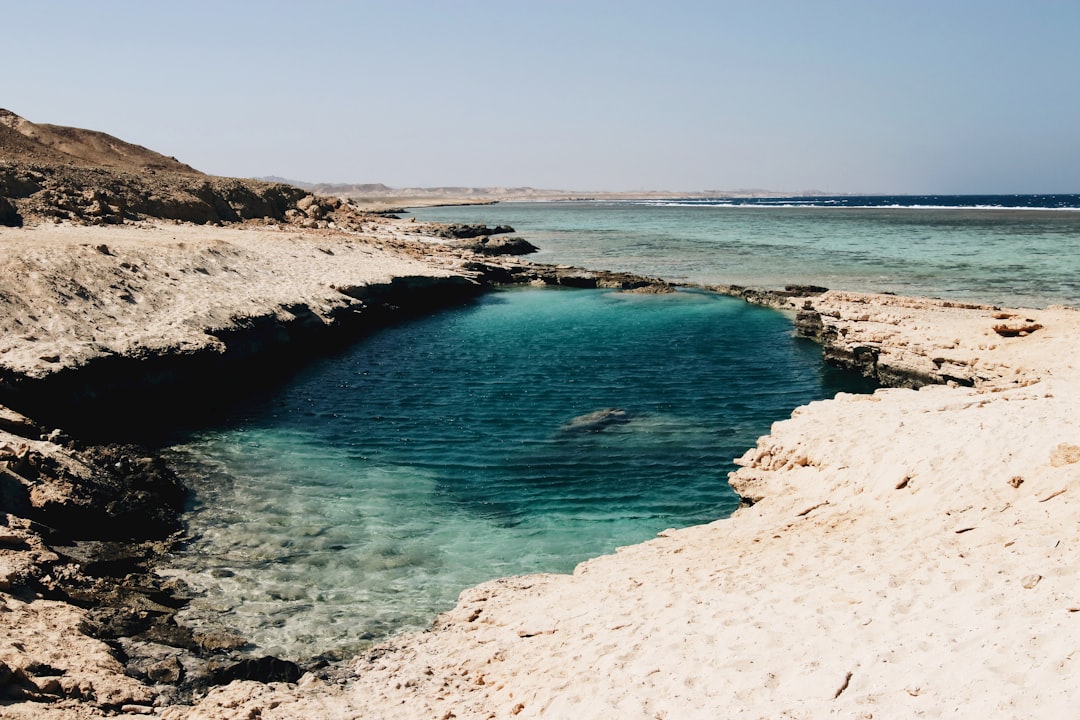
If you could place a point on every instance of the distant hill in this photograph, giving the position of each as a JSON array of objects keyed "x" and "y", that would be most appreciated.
[
  {"x": 378, "y": 194},
  {"x": 53, "y": 172},
  {"x": 82, "y": 147}
]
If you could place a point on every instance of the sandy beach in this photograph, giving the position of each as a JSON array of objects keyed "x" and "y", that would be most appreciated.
[{"x": 900, "y": 554}]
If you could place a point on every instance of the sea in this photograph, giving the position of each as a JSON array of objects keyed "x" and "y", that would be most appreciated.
[{"x": 535, "y": 428}]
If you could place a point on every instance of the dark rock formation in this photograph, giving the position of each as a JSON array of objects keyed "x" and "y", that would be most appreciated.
[
  {"x": 498, "y": 246},
  {"x": 265, "y": 669},
  {"x": 194, "y": 384},
  {"x": 9, "y": 215},
  {"x": 769, "y": 298},
  {"x": 506, "y": 271},
  {"x": 125, "y": 495},
  {"x": 100, "y": 195},
  {"x": 460, "y": 232},
  {"x": 62, "y": 173}
]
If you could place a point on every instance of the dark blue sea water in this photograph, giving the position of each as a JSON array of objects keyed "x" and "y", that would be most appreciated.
[
  {"x": 982, "y": 202},
  {"x": 364, "y": 495}
]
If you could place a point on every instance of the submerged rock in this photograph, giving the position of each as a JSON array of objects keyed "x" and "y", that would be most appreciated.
[{"x": 596, "y": 421}]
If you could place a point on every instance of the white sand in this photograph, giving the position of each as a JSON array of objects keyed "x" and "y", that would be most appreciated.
[{"x": 912, "y": 555}]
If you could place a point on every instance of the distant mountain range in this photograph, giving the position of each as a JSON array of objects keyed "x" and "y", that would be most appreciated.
[{"x": 380, "y": 191}]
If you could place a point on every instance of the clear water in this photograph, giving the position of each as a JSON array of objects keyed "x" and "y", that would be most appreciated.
[
  {"x": 964, "y": 250},
  {"x": 361, "y": 498}
]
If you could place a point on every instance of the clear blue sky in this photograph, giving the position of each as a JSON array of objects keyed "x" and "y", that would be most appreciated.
[{"x": 859, "y": 96}]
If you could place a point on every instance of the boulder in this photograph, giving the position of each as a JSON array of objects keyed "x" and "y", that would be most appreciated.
[
  {"x": 499, "y": 246},
  {"x": 265, "y": 669},
  {"x": 461, "y": 232}
]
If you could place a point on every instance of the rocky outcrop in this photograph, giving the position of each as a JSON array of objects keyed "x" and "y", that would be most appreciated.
[
  {"x": 462, "y": 232},
  {"x": 868, "y": 334},
  {"x": 9, "y": 215},
  {"x": 55, "y": 173},
  {"x": 243, "y": 355},
  {"x": 86, "y": 621},
  {"x": 101, "y": 331},
  {"x": 21, "y": 138},
  {"x": 779, "y": 299},
  {"x": 507, "y": 271},
  {"x": 498, "y": 246},
  {"x": 108, "y": 196}
]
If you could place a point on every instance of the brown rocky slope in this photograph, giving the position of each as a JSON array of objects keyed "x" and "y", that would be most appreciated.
[{"x": 51, "y": 172}]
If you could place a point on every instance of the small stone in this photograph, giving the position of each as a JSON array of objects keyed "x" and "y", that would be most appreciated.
[
  {"x": 168, "y": 671},
  {"x": 219, "y": 640},
  {"x": 1030, "y": 581},
  {"x": 49, "y": 685}
]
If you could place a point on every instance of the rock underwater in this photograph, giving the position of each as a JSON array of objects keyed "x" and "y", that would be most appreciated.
[{"x": 596, "y": 421}]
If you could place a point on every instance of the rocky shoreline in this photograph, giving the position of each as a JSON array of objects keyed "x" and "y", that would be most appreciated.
[
  {"x": 901, "y": 554},
  {"x": 84, "y": 523},
  {"x": 904, "y": 553},
  {"x": 89, "y": 629}
]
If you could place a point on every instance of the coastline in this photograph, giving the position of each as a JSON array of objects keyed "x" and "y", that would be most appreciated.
[
  {"x": 105, "y": 328},
  {"x": 674, "y": 626},
  {"x": 900, "y": 554}
]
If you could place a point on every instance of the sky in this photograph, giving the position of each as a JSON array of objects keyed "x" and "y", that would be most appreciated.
[{"x": 863, "y": 96}]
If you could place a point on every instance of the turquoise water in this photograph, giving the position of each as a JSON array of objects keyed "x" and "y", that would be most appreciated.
[
  {"x": 1024, "y": 257},
  {"x": 362, "y": 497}
]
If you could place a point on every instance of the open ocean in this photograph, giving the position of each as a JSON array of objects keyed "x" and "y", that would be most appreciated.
[{"x": 362, "y": 496}]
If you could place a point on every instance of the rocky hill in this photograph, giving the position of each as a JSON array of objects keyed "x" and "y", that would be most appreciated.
[{"x": 51, "y": 172}]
